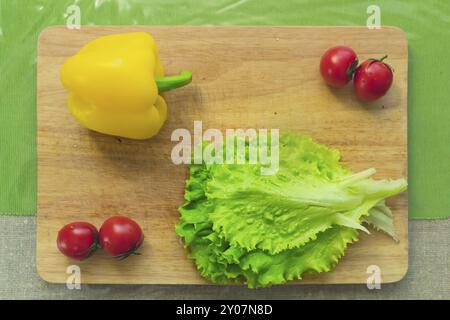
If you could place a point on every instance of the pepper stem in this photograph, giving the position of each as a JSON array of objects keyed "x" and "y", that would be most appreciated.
[{"x": 173, "y": 82}]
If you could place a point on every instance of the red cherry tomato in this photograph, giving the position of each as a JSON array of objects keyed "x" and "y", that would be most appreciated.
[
  {"x": 120, "y": 236},
  {"x": 77, "y": 240},
  {"x": 372, "y": 79},
  {"x": 337, "y": 65}
]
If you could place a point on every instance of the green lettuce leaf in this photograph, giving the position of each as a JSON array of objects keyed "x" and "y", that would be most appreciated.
[
  {"x": 241, "y": 226},
  {"x": 381, "y": 218},
  {"x": 273, "y": 215}
]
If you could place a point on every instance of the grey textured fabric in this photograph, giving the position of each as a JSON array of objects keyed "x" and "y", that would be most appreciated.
[{"x": 428, "y": 276}]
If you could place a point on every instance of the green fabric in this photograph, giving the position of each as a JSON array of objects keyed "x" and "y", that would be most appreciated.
[{"x": 426, "y": 24}]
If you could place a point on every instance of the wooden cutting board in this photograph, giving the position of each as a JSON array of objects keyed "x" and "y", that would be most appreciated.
[{"x": 244, "y": 77}]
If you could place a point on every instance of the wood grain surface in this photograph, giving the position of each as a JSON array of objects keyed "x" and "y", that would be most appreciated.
[{"x": 244, "y": 77}]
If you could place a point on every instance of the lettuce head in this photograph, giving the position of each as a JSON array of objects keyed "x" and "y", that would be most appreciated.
[{"x": 241, "y": 226}]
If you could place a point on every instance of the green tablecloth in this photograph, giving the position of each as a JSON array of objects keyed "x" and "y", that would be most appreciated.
[{"x": 426, "y": 24}]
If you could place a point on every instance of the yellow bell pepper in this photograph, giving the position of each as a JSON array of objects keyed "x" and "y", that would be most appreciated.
[{"x": 114, "y": 83}]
